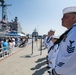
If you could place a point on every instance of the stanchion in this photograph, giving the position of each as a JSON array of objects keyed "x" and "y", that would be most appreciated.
[
  {"x": 32, "y": 46},
  {"x": 41, "y": 46}
]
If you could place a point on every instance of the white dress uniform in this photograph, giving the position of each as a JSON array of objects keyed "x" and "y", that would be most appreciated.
[
  {"x": 45, "y": 41},
  {"x": 49, "y": 43},
  {"x": 54, "y": 55},
  {"x": 66, "y": 58}
]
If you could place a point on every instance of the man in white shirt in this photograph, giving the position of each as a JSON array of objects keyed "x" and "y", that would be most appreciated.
[{"x": 66, "y": 58}]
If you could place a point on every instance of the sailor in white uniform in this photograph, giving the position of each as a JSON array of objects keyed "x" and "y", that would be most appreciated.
[
  {"x": 45, "y": 43},
  {"x": 66, "y": 58},
  {"x": 49, "y": 43},
  {"x": 54, "y": 52}
]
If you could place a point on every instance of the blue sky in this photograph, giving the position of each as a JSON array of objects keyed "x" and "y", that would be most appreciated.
[{"x": 40, "y": 14}]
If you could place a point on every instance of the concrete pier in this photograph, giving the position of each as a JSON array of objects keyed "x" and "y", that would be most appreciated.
[{"x": 21, "y": 62}]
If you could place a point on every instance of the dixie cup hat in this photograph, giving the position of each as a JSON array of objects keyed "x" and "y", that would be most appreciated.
[{"x": 69, "y": 9}]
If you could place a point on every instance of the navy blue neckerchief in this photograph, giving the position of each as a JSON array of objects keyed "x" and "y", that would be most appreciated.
[{"x": 49, "y": 39}]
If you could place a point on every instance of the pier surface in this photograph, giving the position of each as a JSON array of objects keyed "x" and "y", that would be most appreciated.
[{"x": 21, "y": 62}]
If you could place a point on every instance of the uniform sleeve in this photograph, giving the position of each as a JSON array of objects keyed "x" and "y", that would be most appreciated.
[
  {"x": 45, "y": 40},
  {"x": 68, "y": 61}
]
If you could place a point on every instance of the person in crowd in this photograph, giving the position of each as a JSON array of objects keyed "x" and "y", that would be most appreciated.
[
  {"x": 65, "y": 63},
  {"x": 5, "y": 46},
  {"x": 16, "y": 41},
  {"x": 0, "y": 45},
  {"x": 23, "y": 43},
  {"x": 13, "y": 43},
  {"x": 10, "y": 45},
  {"x": 1, "y": 50}
]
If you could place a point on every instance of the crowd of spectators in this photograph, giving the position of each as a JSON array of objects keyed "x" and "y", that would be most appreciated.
[{"x": 8, "y": 44}]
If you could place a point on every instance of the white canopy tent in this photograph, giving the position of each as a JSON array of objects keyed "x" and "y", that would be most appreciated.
[{"x": 21, "y": 34}]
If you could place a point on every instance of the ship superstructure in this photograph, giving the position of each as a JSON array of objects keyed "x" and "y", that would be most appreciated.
[{"x": 5, "y": 25}]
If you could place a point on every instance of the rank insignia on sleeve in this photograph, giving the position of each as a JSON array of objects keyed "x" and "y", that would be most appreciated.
[
  {"x": 70, "y": 48},
  {"x": 60, "y": 64}
]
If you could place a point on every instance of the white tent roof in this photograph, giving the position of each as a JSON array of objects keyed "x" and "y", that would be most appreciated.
[{"x": 21, "y": 34}]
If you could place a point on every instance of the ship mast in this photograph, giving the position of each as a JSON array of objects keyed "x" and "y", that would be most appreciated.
[{"x": 4, "y": 12}]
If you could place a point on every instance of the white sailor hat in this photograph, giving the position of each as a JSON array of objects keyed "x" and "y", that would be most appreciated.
[
  {"x": 69, "y": 9},
  {"x": 13, "y": 39}
]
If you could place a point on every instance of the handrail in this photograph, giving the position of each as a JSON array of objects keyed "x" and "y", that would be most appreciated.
[{"x": 3, "y": 52}]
